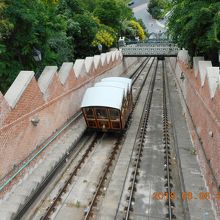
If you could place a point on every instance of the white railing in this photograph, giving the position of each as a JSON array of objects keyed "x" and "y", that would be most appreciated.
[{"x": 154, "y": 50}]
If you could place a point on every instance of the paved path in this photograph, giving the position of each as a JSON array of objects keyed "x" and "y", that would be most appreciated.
[{"x": 140, "y": 12}]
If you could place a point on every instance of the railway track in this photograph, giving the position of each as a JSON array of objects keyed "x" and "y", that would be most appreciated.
[
  {"x": 62, "y": 190},
  {"x": 170, "y": 208},
  {"x": 89, "y": 212},
  {"x": 104, "y": 177},
  {"x": 167, "y": 159},
  {"x": 115, "y": 153},
  {"x": 69, "y": 156},
  {"x": 139, "y": 149},
  {"x": 129, "y": 205},
  {"x": 69, "y": 180},
  {"x": 134, "y": 76},
  {"x": 102, "y": 183}
]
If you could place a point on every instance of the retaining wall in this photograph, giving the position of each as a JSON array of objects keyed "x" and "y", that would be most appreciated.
[
  {"x": 201, "y": 90},
  {"x": 48, "y": 102}
]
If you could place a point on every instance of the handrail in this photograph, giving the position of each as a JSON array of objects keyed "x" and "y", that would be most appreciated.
[{"x": 76, "y": 116}]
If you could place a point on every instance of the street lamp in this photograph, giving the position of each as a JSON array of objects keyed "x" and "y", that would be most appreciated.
[
  {"x": 100, "y": 48},
  {"x": 137, "y": 39},
  {"x": 121, "y": 42},
  {"x": 37, "y": 57},
  {"x": 219, "y": 57}
]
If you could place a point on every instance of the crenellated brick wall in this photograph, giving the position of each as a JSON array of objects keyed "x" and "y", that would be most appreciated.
[
  {"x": 201, "y": 89},
  {"x": 52, "y": 100}
]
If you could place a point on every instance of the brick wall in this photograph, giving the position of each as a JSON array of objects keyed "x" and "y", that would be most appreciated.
[
  {"x": 54, "y": 98},
  {"x": 4, "y": 109},
  {"x": 201, "y": 89}
]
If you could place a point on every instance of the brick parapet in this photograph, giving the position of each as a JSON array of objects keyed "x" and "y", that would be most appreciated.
[
  {"x": 67, "y": 76},
  {"x": 4, "y": 109},
  {"x": 201, "y": 89},
  {"x": 53, "y": 106}
]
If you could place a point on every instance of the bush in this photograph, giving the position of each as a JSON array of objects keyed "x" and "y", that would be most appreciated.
[{"x": 157, "y": 8}]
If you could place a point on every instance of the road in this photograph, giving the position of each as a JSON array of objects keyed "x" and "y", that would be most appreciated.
[{"x": 140, "y": 12}]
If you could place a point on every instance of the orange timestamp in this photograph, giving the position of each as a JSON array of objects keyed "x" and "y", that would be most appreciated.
[{"x": 186, "y": 196}]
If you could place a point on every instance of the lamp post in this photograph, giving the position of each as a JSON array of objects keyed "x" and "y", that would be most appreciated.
[
  {"x": 37, "y": 57},
  {"x": 121, "y": 42},
  {"x": 100, "y": 48},
  {"x": 219, "y": 57}
]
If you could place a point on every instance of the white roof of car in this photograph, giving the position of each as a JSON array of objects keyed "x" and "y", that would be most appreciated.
[
  {"x": 103, "y": 96},
  {"x": 118, "y": 79},
  {"x": 122, "y": 85}
]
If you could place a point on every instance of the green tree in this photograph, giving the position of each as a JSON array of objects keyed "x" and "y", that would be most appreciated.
[
  {"x": 81, "y": 26},
  {"x": 70, "y": 7},
  {"x": 35, "y": 26},
  {"x": 125, "y": 12},
  {"x": 105, "y": 36},
  {"x": 60, "y": 29},
  {"x": 139, "y": 32},
  {"x": 158, "y": 8},
  {"x": 5, "y": 29},
  {"x": 88, "y": 28},
  {"x": 90, "y": 5},
  {"x": 5, "y": 25},
  {"x": 195, "y": 25},
  {"x": 132, "y": 29},
  {"x": 109, "y": 13}
]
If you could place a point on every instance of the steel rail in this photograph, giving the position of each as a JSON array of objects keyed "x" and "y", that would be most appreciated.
[
  {"x": 62, "y": 190},
  {"x": 141, "y": 130},
  {"x": 143, "y": 83},
  {"x": 166, "y": 139},
  {"x": 46, "y": 181},
  {"x": 115, "y": 151},
  {"x": 134, "y": 104},
  {"x": 139, "y": 68},
  {"x": 171, "y": 112}
]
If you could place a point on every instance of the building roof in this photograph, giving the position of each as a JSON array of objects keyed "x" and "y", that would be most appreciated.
[
  {"x": 122, "y": 85},
  {"x": 103, "y": 96},
  {"x": 119, "y": 79}
]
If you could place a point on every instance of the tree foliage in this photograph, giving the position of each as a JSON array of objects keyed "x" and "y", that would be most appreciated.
[
  {"x": 131, "y": 29},
  {"x": 108, "y": 13},
  {"x": 138, "y": 29},
  {"x": 5, "y": 25},
  {"x": 158, "y": 8},
  {"x": 35, "y": 26},
  {"x": 84, "y": 37},
  {"x": 61, "y": 30},
  {"x": 195, "y": 25},
  {"x": 105, "y": 36}
]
